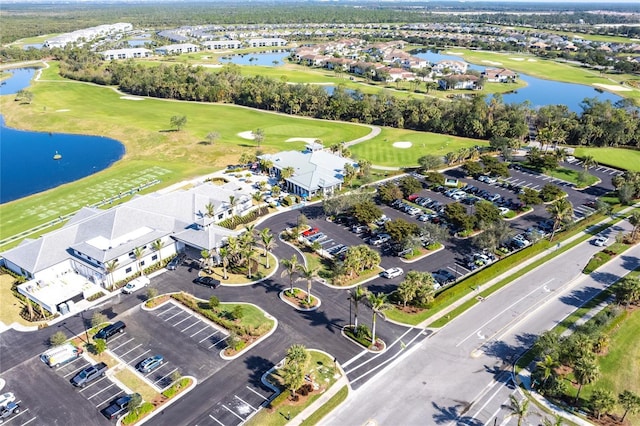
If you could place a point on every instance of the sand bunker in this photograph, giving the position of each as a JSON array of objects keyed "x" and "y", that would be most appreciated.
[
  {"x": 449, "y": 52},
  {"x": 517, "y": 59},
  {"x": 132, "y": 98},
  {"x": 492, "y": 62},
  {"x": 532, "y": 60},
  {"x": 402, "y": 144},
  {"x": 247, "y": 135},
  {"x": 305, "y": 140},
  {"x": 63, "y": 110},
  {"x": 210, "y": 65},
  {"x": 612, "y": 87}
]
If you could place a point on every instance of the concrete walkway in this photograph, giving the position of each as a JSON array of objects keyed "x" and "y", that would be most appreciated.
[{"x": 324, "y": 398}]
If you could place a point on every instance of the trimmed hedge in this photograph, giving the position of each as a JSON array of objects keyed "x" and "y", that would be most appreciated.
[{"x": 235, "y": 221}]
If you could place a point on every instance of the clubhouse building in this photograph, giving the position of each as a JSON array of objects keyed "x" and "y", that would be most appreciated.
[{"x": 97, "y": 248}]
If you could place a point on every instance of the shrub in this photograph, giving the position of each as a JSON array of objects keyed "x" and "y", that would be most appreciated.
[
  {"x": 135, "y": 415},
  {"x": 214, "y": 302},
  {"x": 98, "y": 318},
  {"x": 278, "y": 400},
  {"x": 58, "y": 338},
  {"x": 151, "y": 293},
  {"x": 99, "y": 346},
  {"x": 96, "y": 296},
  {"x": 237, "y": 313}
]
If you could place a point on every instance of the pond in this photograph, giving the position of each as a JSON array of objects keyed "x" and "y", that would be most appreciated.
[
  {"x": 27, "y": 164},
  {"x": 266, "y": 59},
  {"x": 539, "y": 92}
]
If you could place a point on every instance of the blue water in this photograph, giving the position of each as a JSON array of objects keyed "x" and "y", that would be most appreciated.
[
  {"x": 539, "y": 92},
  {"x": 34, "y": 45},
  {"x": 26, "y": 158},
  {"x": 137, "y": 42},
  {"x": 262, "y": 59}
]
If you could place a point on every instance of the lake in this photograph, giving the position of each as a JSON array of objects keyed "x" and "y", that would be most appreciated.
[
  {"x": 538, "y": 92},
  {"x": 265, "y": 59},
  {"x": 26, "y": 158}
]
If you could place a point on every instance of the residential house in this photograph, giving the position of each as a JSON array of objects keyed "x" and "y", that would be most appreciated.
[
  {"x": 177, "y": 49},
  {"x": 222, "y": 44},
  {"x": 267, "y": 42},
  {"x": 499, "y": 75},
  {"x": 456, "y": 82},
  {"x": 450, "y": 66},
  {"x": 135, "y": 52}
]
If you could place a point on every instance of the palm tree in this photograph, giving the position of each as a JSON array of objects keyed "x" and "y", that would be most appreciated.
[
  {"x": 378, "y": 303},
  {"x": 138, "y": 252},
  {"x": 634, "y": 220},
  {"x": 206, "y": 258},
  {"x": 356, "y": 295},
  {"x": 307, "y": 274},
  {"x": 519, "y": 409},
  {"x": 224, "y": 257},
  {"x": 157, "y": 245},
  {"x": 409, "y": 287},
  {"x": 588, "y": 162},
  {"x": 602, "y": 401},
  {"x": 267, "y": 242},
  {"x": 298, "y": 354},
  {"x": 630, "y": 402},
  {"x": 548, "y": 365},
  {"x": 211, "y": 210},
  {"x": 290, "y": 269},
  {"x": 557, "y": 421},
  {"x": 233, "y": 202},
  {"x": 585, "y": 371},
  {"x": 110, "y": 268},
  {"x": 248, "y": 253},
  {"x": 561, "y": 211},
  {"x": 286, "y": 173}
]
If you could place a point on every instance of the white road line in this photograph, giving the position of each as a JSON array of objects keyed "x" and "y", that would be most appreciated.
[
  {"x": 119, "y": 346},
  {"x": 120, "y": 392},
  {"x": 92, "y": 384},
  {"x": 181, "y": 321},
  {"x": 480, "y": 395},
  {"x": 473, "y": 416},
  {"x": 77, "y": 371},
  {"x": 174, "y": 315},
  {"x": 257, "y": 393},
  {"x": 495, "y": 413},
  {"x": 219, "y": 422},
  {"x": 165, "y": 376},
  {"x": 19, "y": 414},
  {"x": 141, "y": 355},
  {"x": 185, "y": 329},
  {"x": 132, "y": 349},
  {"x": 346, "y": 364},
  {"x": 211, "y": 335},
  {"x": 232, "y": 412},
  {"x": 28, "y": 421},
  {"x": 245, "y": 402},
  {"x": 68, "y": 364},
  {"x": 99, "y": 392},
  {"x": 455, "y": 270},
  {"x": 377, "y": 355},
  {"x": 217, "y": 342},
  {"x": 167, "y": 310},
  {"x": 199, "y": 331},
  {"x": 535, "y": 187},
  {"x": 535, "y": 290}
]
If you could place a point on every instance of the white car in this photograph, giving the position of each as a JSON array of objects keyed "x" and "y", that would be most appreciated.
[
  {"x": 6, "y": 398},
  {"x": 135, "y": 285},
  {"x": 392, "y": 272},
  {"x": 503, "y": 210},
  {"x": 600, "y": 241}
]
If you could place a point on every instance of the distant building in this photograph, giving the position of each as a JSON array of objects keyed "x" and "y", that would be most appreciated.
[
  {"x": 267, "y": 42},
  {"x": 499, "y": 75},
  {"x": 222, "y": 44},
  {"x": 457, "y": 82},
  {"x": 177, "y": 49},
  {"x": 134, "y": 52},
  {"x": 87, "y": 34}
]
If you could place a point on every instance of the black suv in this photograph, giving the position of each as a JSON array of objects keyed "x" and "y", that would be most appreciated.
[
  {"x": 118, "y": 407},
  {"x": 207, "y": 282},
  {"x": 107, "y": 332}
]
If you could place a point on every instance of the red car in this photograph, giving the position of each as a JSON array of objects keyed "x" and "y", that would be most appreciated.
[
  {"x": 309, "y": 232},
  {"x": 412, "y": 197}
]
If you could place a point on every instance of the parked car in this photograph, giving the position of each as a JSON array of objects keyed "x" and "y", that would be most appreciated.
[
  {"x": 392, "y": 272},
  {"x": 89, "y": 374},
  {"x": 443, "y": 276},
  {"x": 176, "y": 261},
  {"x": 6, "y": 398},
  {"x": 309, "y": 232},
  {"x": 118, "y": 407},
  {"x": 503, "y": 210},
  {"x": 600, "y": 241},
  {"x": 317, "y": 237},
  {"x": 60, "y": 355},
  {"x": 8, "y": 410},
  {"x": 359, "y": 229},
  {"x": 136, "y": 284},
  {"x": 207, "y": 282},
  {"x": 147, "y": 365},
  {"x": 380, "y": 239},
  {"x": 109, "y": 331}
]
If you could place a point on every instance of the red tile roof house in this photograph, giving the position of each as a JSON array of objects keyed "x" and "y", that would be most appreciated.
[{"x": 499, "y": 75}]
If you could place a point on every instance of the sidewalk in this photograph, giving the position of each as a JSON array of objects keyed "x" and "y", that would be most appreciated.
[
  {"x": 524, "y": 264},
  {"x": 302, "y": 416}
]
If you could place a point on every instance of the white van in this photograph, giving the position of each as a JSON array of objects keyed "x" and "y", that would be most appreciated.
[
  {"x": 136, "y": 284},
  {"x": 60, "y": 355}
]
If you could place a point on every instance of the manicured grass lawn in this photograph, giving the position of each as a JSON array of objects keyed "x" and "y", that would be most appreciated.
[
  {"x": 133, "y": 382},
  {"x": 10, "y": 307},
  {"x": 604, "y": 256},
  {"x": 625, "y": 159},
  {"x": 242, "y": 278},
  {"x": 327, "y": 407},
  {"x": 151, "y": 145},
  {"x": 380, "y": 150},
  {"x": 571, "y": 175}
]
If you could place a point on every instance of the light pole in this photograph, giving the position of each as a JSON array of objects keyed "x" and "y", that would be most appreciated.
[
  {"x": 349, "y": 299},
  {"x": 84, "y": 325}
]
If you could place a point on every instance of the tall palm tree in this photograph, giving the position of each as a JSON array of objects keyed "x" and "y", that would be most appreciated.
[
  {"x": 356, "y": 295},
  {"x": 233, "y": 202},
  {"x": 206, "y": 258},
  {"x": 290, "y": 269},
  {"x": 157, "y": 245},
  {"x": 110, "y": 268},
  {"x": 634, "y": 220},
  {"x": 248, "y": 254},
  {"x": 561, "y": 211},
  {"x": 378, "y": 303},
  {"x": 548, "y": 365},
  {"x": 307, "y": 274},
  {"x": 267, "y": 242},
  {"x": 224, "y": 257},
  {"x": 585, "y": 371},
  {"x": 519, "y": 409},
  {"x": 138, "y": 252},
  {"x": 211, "y": 210},
  {"x": 630, "y": 402},
  {"x": 588, "y": 162},
  {"x": 557, "y": 421}
]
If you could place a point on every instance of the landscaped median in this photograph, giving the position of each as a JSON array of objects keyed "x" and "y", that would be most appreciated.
[{"x": 246, "y": 324}]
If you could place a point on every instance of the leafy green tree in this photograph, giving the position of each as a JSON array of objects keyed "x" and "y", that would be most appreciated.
[
  {"x": 399, "y": 229},
  {"x": 630, "y": 402},
  {"x": 408, "y": 288},
  {"x": 473, "y": 168},
  {"x": 409, "y": 185},
  {"x": 238, "y": 312},
  {"x": 634, "y": 220},
  {"x": 486, "y": 213},
  {"x": 433, "y": 233},
  {"x": 628, "y": 290},
  {"x": 435, "y": 178},
  {"x": 134, "y": 402},
  {"x": 530, "y": 197},
  {"x": 585, "y": 371},
  {"x": 494, "y": 236},
  {"x": 99, "y": 346},
  {"x": 429, "y": 162},
  {"x": 178, "y": 121},
  {"x": 602, "y": 401},
  {"x": 547, "y": 367},
  {"x": 24, "y": 96},
  {"x": 588, "y": 162},
  {"x": 214, "y": 302},
  {"x": 550, "y": 192},
  {"x": 457, "y": 215},
  {"x": 389, "y": 192},
  {"x": 58, "y": 338},
  {"x": 98, "y": 318},
  {"x": 366, "y": 211}
]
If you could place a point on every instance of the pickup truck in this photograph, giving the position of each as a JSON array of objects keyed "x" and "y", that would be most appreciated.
[
  {"x": 118, "y": 407},
  {"x": 89, "y": 374}
]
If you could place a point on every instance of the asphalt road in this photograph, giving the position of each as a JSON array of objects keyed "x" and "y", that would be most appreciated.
[{"x": 460, "y": 374}]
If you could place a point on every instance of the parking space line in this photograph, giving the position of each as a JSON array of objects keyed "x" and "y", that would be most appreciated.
[
  {"x": 257, "y": 393},
  {"x": 165, "y": 376},
  {"x": 535, "y": 187},
  {"x": 28, "y": 421},
  {"x": 232, "y": 412},
  {"x": 211, "y": 335},
  {"x": 140, "y": 355},
  {"x": 455, "y": 270},
  {"x": 217, "y": 342},
  {"x": 114, "y": 396},
  {"x": 92, "y": 384},
  {"x": 18, "y": 415},
  {"x": 132, "y": 349},
  {"x": 188, "y": 327},
  {"x": 219, "y": 422},
  {"x": 181, "y": 321},
  {"x": 69, "y": 363},
  {"x": 199, "y": 331},
  {"x": 171, "y": 308},
  {"x": 99, "y": 392},
  {"x": 119, "y": 346},
  {"x": 175, "y": 315},
  {"x": 77, "y": 371},
  {"x": 245, "y": 402}
]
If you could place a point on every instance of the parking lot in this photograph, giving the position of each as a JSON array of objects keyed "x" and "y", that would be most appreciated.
[{"x": 235, "y": 409}]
